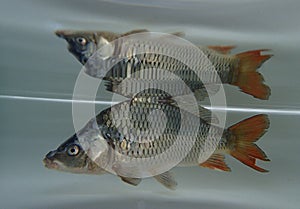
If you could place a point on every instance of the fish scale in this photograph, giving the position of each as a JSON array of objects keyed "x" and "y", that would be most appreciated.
[
  {"x": 139, "y": 142},
  {"x": 127, "y": 48}
]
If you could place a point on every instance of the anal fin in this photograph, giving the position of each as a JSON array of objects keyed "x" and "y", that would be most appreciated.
[
  {"x": 167, "y": 179},
  {"x": 216, "y": 161}
]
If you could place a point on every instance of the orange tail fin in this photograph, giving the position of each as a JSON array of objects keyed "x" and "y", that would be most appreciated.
[
  {"x": 246, "y": 77},
  {"x": 244, "y": 134}
]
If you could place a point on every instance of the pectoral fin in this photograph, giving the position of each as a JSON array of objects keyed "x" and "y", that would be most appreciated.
[
  {"x": 167, "y": 179},
  {"x": 131, "y": 181}
]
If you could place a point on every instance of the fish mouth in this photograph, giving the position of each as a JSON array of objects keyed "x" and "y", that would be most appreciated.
[
  {"x": 50, "y": 163},
  {"x": 64, "y": 33},
  {"x": 60, "y": 33}
]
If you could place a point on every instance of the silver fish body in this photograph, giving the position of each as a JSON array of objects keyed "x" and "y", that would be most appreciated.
[
  {"x": 230, "y": 69},
  {"x": 135, "y": 130}
]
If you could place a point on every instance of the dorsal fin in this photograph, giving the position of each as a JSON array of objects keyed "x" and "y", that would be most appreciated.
[
  {"x": 179, "y": 34},
  {"x": 134, "y": 32},
  {"x": 222, "y": 49}
]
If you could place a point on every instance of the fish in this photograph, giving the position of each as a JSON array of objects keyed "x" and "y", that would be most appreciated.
[
  {"x": 238, "y": 70},
  {"x": 113, "y": 136}
]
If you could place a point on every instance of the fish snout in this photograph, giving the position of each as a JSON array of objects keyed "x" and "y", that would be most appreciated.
[
  {"x": 50, "y": 163},
  {"x": 60, "y": 33},
  {"x": 50, "y": 155},
  {"x": 46, "y": 161},
  {"x": 49, "y": 160}
]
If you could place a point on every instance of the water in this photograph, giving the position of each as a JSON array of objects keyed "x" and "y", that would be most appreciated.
[{"x": 38, "y": 76}]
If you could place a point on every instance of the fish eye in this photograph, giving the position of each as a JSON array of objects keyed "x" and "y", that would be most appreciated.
[
  {"x": 82, "y": 41},
  {"x": 73, "y": 150}
]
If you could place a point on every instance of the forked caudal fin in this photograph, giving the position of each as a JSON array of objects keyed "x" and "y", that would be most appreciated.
[
  {"x": 243, "y": 136},
  {"x": 247, "y": 78}
]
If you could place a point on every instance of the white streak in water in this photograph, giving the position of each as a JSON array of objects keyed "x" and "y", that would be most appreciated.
[
  {"x": 44, "y": 99},
  {"x": 229, "y": 109}
]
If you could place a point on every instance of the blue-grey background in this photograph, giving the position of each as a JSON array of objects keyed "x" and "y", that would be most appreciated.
[{"x": 37, "y": 77}]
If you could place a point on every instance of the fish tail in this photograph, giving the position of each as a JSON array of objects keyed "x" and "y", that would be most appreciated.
[
  {"x": 242, "y": 137},
  {"x": 247, "y": 78}
]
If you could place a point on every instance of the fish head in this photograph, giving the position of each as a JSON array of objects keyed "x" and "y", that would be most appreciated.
[
  {"x": 81, "y": 44},
  {"x": 71, "y": 157}
]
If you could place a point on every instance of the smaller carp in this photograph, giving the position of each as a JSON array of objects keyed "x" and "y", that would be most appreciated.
[{"x": 238, "y": 70}]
